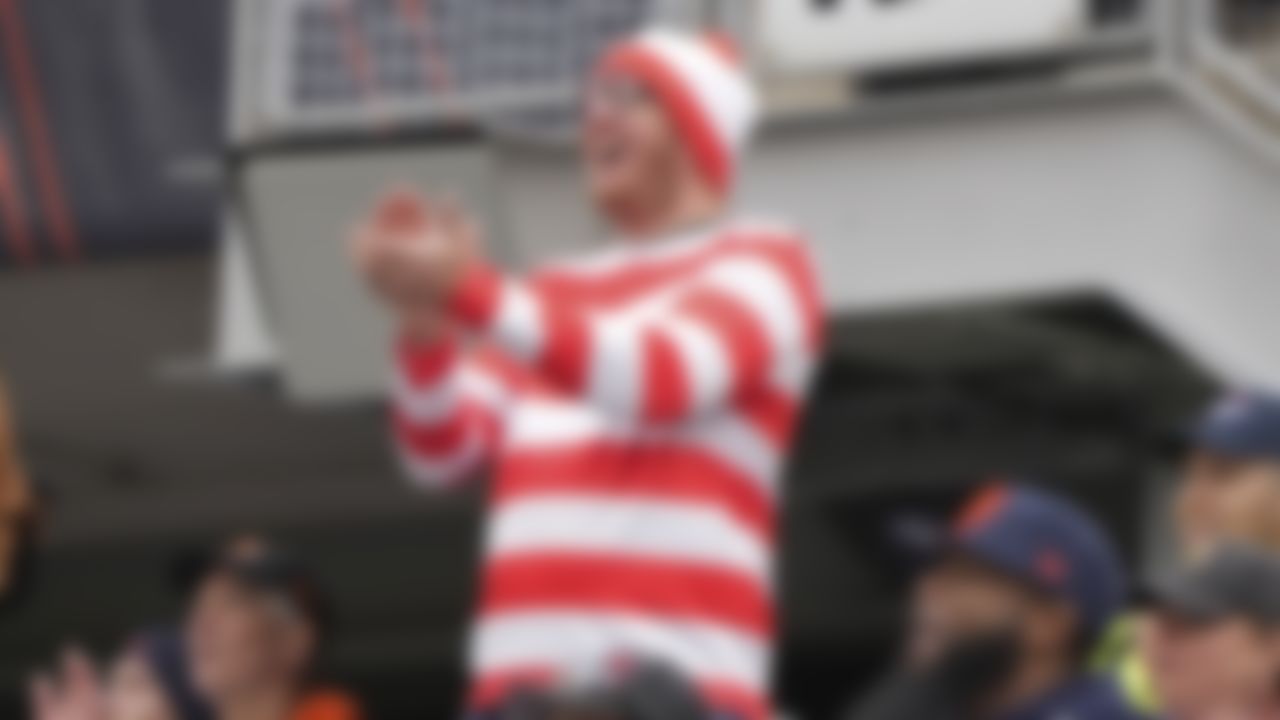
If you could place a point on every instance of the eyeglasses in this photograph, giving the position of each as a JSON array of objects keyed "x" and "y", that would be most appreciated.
[{"x": 616, "y": 93}]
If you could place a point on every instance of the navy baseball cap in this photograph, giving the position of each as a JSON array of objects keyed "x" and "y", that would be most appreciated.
[
  {"x": 266, "y": 568},
  {"x": 1236, "y": 581},
  {"x": 1244, "y": 425},
  {"x": 1042, "y": 540}
]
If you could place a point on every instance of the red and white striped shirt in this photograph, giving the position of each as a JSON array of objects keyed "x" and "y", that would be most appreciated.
[{"x": 636, "y": 408}]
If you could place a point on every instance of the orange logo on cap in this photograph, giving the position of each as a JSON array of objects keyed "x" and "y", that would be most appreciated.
[{"x": 985, "y": 505}]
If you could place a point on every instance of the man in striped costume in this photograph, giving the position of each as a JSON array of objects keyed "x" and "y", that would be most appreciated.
[{"x": 634, "y": 407}]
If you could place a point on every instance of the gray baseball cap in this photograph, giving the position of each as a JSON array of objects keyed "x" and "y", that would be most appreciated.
[{"x": 1237, "y": 581}]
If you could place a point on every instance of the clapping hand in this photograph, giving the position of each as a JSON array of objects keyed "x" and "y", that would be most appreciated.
[
  {"x": 413, "y": 251},
  {"x": 75, "y": 693}
]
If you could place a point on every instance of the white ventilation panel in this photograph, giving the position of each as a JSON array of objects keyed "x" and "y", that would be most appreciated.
[{"x": 810, "y": 35}]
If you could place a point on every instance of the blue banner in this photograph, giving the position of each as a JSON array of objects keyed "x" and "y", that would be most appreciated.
[{"x": 111, "y": 119}]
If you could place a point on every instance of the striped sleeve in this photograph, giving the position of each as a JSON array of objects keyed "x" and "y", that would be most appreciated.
[
  {"x": 739, "y": 322},
  {"x": 446, "y": 414}
]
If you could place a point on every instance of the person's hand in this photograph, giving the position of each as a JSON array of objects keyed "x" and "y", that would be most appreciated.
[
  {"x": 413, "y": 252},
  {"x": 74, "y": 694},
  {"x": 423, "y": 325}
]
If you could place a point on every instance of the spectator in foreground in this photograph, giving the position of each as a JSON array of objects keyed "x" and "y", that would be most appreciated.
[
  {"x": 257, "y": 622},
  {"x": 1012, "y": 596},
  {"x": 1213, "y": 640}
]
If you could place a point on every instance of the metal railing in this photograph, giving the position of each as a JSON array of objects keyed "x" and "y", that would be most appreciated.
[
  {"x": 314, "y": 67},
  {"x": 1224, "y": 78}
]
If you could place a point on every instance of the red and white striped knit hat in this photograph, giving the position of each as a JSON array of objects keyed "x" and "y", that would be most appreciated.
[{"x": 702, "y": 84}]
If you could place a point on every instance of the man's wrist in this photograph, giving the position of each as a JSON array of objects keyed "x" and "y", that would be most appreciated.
[
  {"x": 425, "y": 360},
  {"x": 423, "y": 327},
  {"x": 474, "y": 299}
]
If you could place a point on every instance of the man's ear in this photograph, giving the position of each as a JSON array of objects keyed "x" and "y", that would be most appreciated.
[
  {"x": 1052, "y": 629},
  {"x": 1271, "y": 520},
  {"x": 1272, "y": 639}
]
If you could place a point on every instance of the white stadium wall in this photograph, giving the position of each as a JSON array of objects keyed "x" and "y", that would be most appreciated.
[
  {"x": 1138, "y": 197},
  {"x": 806, "y": 35}
]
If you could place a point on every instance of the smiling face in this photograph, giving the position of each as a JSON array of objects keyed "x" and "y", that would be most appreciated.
[{"x": 632, "y": 155}]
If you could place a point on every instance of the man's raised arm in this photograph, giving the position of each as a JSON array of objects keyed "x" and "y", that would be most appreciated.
[{"x": 747, "y": 318}]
